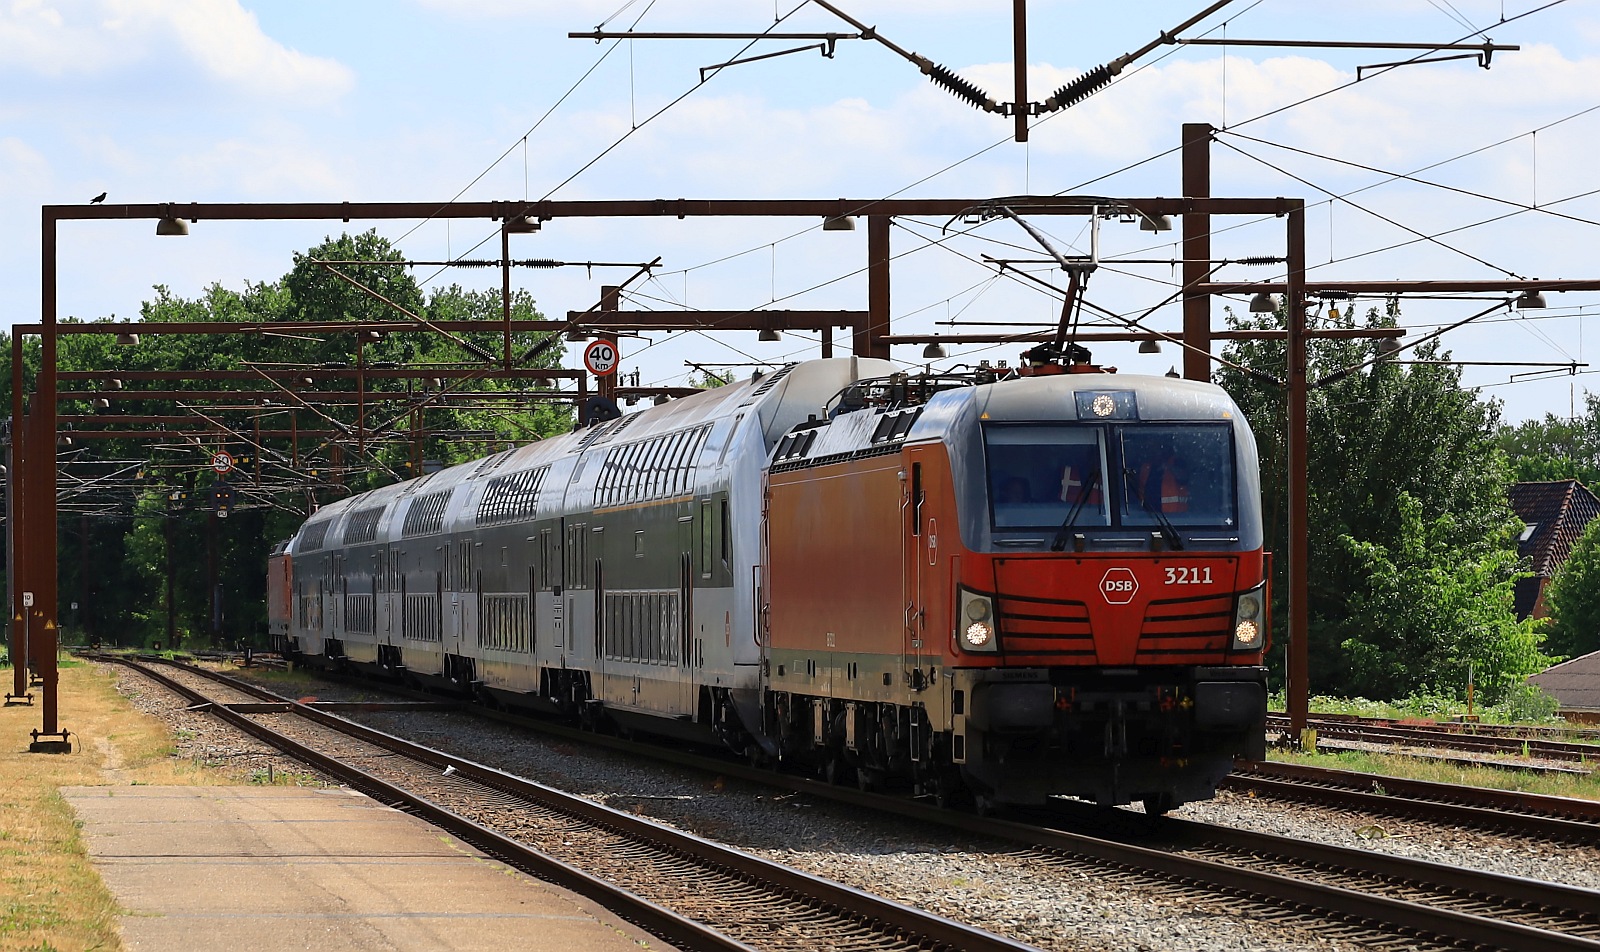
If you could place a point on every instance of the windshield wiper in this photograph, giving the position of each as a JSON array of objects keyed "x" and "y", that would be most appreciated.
[
  {"x": 1059, "y": 543},
  {"x": 1174, "y": 541}
]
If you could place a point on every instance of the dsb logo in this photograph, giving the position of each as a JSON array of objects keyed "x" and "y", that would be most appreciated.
[{"x": 1119, "y": 586}]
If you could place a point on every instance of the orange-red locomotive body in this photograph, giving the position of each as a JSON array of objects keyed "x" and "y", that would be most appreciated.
[{"x": 1040, "y": 586}]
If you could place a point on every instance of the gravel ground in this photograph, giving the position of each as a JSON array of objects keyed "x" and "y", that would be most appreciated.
[{"x": 1054, "y": 906}]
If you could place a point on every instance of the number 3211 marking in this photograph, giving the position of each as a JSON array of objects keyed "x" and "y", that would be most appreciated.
[{"x": 1188, "y": 575}]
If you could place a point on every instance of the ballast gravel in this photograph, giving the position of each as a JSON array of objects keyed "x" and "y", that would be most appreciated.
[{"x": 999, "y": 886}]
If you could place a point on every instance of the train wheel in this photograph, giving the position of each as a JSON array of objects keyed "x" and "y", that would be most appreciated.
[
  {"x": 1159, "y": 804},
  {"x": 949, "y": 793},
  {"x": 833, "y": 771}
]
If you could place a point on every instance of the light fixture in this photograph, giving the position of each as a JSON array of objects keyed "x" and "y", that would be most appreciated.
[
  {"x": 1155, "y": 222},
  {"x": 1173, "y": 373},
  {"x": 1263, "y": 303},
  {"x": 768, "y": 334},
  {"x": 101, "y": 403},
  {"x": 522, "y": 225},
  {"x": 127, "y": 338},
  {"x": 934, "y": 351},
  {"x": 1530, "y": 300},
  {"x": 171, "y": 224},
  {"x": 661, "y": 398},
  {"x": 838, "y": 223},
  {"x": 115, "y": 383},
  {"x": 1151, "y": 346},
  {"x": 1388, "y": 346},
  {"x": 369, "y": 336}
]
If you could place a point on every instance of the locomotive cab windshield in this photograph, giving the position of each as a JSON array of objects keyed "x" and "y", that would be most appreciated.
[{"x": 1111, "y": 475}]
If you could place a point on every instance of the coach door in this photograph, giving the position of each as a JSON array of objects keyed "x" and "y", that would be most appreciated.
[
  {"x": 386, "y": 586},
  {"x": 555, "y": 560},
  {"x": 685, "y": 629}
]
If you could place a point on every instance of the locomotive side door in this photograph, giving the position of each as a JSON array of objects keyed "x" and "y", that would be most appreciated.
[{"x": 926, "y": 483}]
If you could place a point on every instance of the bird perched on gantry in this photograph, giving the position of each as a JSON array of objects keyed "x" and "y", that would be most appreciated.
[{"x": 98, "y": 199}]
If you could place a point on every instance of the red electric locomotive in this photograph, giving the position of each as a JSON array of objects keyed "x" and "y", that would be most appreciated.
[{"x": 1011, "y": 589}]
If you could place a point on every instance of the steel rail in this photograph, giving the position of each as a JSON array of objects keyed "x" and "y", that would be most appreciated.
[
  {"x": 1381, "y": 731},
  {"x": 1567, "y": 734},
  {"x": 1278, "y": 890},
  {"x": 1565, "y": 818},
  {"x": 921, "y": 928}
]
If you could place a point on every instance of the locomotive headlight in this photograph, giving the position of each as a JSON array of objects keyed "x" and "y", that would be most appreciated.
[
  {"x": 1246, "y": 635},
  {"x": 976, "y": 622},
  {"x": 1249, "y": 623},
  {"x": 979, "y": 634}
]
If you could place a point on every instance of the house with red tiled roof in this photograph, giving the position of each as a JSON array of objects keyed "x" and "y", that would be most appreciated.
[{"x": 1555, "y": 513}]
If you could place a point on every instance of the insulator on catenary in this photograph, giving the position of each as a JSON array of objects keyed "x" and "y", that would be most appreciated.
[
  {"x": 960, "y": 87},
  {"x": 1079, "y": 89},
  {"x": 537, "y": 263},
  {"x": 1258, "y": 260}
]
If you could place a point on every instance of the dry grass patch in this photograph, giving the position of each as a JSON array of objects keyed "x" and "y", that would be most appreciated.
[{"x": 51, "y": 898}]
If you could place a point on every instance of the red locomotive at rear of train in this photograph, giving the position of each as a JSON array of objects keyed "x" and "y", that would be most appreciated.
[{"x": 998, "y": 587}]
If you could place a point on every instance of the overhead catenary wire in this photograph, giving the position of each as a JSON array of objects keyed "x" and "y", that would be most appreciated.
[{"x": 706, "y": 264}]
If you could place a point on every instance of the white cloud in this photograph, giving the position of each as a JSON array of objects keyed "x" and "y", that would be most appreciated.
[{"x": 219, "y": 37}]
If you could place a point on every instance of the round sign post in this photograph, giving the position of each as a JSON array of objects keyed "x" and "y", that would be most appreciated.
[
  {"x": 222, "y": 462},
  {"x": 600, "y": 357}
]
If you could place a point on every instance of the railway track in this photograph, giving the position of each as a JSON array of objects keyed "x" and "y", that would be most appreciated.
[
  {"x": 687, "y": 890},
  {"x": 1563, "y": 819},
  {"x": 1568, "y": 734},
  {"x": 1528, "y": 749},
  {"x": 1381, "y": 899}
]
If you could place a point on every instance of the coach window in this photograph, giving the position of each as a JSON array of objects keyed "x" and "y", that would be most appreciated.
[
  {"x": 655, "y": 472},
  {"x": 706, "y": 537},
  {"x": 636, "y": 481},
  {"x": 675, "y": 462}
]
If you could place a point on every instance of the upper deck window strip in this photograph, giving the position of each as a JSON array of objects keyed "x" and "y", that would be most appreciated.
[
  {"x": 363, "y": 525},
  {"x": 426, "y": 515}
]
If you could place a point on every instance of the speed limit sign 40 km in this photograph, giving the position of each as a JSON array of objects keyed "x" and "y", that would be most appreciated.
[{"x": 600, "y": 357}]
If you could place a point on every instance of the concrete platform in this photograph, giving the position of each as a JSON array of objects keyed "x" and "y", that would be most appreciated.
[{"x": 228, "y": 868}]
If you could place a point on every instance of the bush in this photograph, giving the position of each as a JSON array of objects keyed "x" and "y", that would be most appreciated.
[{"x": 1529, "y": 703}]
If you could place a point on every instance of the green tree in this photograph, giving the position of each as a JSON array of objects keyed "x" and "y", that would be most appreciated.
[
  {"x": 1556, "y": 447},
  {"x": 1424, "y": 613},
  {"x": 115, "y": 562},
  {"x": 1573, "y": 597},
  {"x": 1409, "y": 523}
]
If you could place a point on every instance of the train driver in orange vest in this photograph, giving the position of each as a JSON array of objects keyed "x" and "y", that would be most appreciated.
[{"x": 1163, "y": 484}]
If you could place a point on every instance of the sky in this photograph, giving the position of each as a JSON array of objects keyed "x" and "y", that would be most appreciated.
[{"x": 433, "y": 100}]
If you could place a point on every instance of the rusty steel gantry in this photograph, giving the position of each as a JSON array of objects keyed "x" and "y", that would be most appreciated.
[{"x": 32, "y": 477}]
